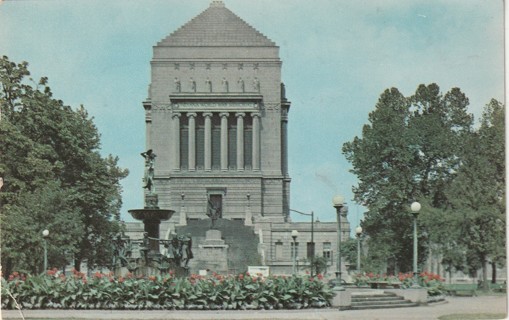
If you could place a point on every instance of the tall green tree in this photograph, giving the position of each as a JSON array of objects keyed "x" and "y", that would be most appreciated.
[
  {"x": 477, "y": 194},
  {"x": 408, "y": 151},
  {"x": 55, "y": 177}
]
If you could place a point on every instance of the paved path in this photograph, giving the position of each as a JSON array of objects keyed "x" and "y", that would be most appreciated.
[{"x": 484, "y": 304}]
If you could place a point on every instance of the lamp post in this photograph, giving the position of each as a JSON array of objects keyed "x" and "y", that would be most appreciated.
[
  {"x": 338, "y": 202},
  {"x": 312, "y": 214},
  {"x": 295, "y": 233},
  {"x": 415, "y": 207},
  {"x": 45, "y": 234},
  {"x": 358, "y": 232}
]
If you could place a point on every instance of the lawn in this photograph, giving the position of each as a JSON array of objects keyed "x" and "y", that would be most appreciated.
[{"x": 473, "y": 316}]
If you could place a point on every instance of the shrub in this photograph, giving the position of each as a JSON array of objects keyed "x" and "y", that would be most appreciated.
[
  {"x": 431, "y": 281},
  {"x": 104, "y": 291}
]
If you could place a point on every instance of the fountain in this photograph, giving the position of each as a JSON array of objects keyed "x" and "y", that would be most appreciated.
[{"x": 151, "y": 261}]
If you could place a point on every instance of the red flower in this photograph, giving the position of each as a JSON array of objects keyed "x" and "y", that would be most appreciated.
[
  {"x": 152, "y": 278},
  {"x": 319, "y": 276}
]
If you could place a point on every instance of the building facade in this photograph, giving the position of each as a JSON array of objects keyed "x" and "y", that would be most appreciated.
[{"x": 216, "y": 117}]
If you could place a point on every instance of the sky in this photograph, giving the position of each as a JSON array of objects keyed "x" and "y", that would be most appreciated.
[{"x": 338, "y": 57}]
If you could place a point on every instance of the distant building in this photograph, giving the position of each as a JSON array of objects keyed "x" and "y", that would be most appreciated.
[{"x": 216, "y": 117}]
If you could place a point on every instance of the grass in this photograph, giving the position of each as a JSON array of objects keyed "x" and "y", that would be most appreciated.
[
  {"x": 473, "y": 316},
  {"x": 490, "y": 293}
]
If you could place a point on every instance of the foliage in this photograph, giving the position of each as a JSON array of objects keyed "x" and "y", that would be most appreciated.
[
  {"x": 54, "y": 177},
  {"x": 103, "y": 291},
  {"x": 431, "y": 281},
  {"x": 478, "y": 192},
  {"x": 424, "y": 148},
  {"x": 318, "y": 265},
  {"x": 349, "y": 252}
]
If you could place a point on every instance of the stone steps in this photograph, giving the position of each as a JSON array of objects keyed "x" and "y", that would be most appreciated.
[
  {"x": 241, "y": 240},
  {"x": 379, "y": 301}
]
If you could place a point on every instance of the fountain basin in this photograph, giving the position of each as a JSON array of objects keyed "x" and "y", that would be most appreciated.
[
  {"x": 152, "y": 218},
  {"x": 151, "y": 214}
]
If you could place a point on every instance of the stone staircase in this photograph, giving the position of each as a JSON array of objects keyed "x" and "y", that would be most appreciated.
[
  {"x": 241, "y": 240},
  {"x": 379, "y": 300}
]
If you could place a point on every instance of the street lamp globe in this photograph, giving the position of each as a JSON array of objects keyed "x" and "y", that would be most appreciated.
[
  {"x": 338, "y": 201},
  {"x": 45, "y": 233},
  {"x": 358, "y": 230},
  {"x": 295, "y": 234},
  {"x": 415, "y": 207}
]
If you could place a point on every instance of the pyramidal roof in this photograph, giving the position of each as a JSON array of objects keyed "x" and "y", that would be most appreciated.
[{"x": 217, "y": 26}]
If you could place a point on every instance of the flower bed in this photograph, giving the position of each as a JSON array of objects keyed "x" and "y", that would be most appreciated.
[
  {"x": 216, "y": 292},
  {"x": 432, "y": 282}
]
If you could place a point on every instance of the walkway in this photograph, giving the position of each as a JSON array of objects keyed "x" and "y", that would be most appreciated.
[{"x": 483, "y": 304}]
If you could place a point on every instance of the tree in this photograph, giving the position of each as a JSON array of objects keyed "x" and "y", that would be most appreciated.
[
  {"x": 22, "y": 225},
  {"x": 349, "y": 253},
  {"x": 54, "y": 176},
  {"x": 409, "y": 151},
  {"x": 477, "y": 194},
  {"x": 318, "y": 265}
]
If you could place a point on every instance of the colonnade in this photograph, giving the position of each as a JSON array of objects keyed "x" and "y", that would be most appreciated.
[{"x": 207, "y": 148}]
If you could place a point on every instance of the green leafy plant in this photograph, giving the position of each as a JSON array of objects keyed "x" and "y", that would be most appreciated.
[
  {"x": 431, "y": 281},
  {"x": 216, "y": 292}
]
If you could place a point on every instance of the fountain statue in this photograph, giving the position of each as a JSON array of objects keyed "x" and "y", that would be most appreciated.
[{"x": 150, "y": 260}]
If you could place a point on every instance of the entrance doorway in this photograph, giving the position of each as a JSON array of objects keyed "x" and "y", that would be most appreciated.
[{"x": 216, "y": 204}]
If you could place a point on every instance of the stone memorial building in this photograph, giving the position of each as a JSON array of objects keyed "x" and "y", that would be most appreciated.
[{"x": 216, "y": 117}]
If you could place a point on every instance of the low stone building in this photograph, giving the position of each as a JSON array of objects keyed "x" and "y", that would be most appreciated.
[{"x": 216, "y": 117}]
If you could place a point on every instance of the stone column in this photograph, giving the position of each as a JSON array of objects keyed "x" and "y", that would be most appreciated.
[
  {"x": 240, "y": 141},
  {"x": 176, "y": 141},
  {"x": 248, "y": 218},
  {"x": 183, "y": 215},
  {"x": 256, "y": 141},
  {"x": 224, "y": 141},
  {"x": 192, "y": 141},
  {"x": 208, "y": 141},
  {"x": 148, "y": 124},
  {"x": 284, "y": 141}
]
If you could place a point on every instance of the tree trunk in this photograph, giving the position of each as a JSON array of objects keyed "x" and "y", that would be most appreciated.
[
  {"x": 484, "y": 274},
  {"x": 77, "y": 264},
  {"x": 493, "y": 272},
  {"x": 7, "y": 269}
]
